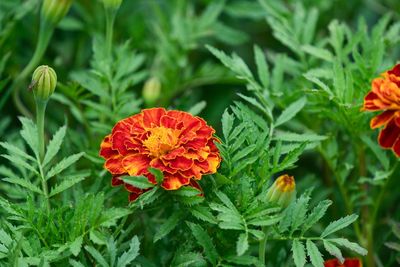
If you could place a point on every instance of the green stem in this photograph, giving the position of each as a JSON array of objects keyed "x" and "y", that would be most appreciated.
[
  {"x": 262, "y": 246},
  {"x": 370, "y": 227},
  {"x": 45, "y": 33},
  {"x": 110, "y": 18},
  {"x": 40, "y": 115}
]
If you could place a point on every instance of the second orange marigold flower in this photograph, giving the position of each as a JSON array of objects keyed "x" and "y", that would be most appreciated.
[{"x": 385, "y": 96}]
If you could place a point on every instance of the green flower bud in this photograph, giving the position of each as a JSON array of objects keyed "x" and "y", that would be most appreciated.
[
  {"x": 54, "y": 10},
  {"x": 44, "y": 81},
  {"x": 112, "y": 4},
  {"x": 283, "y": 191},
  {"x": 151, "y": 91}
]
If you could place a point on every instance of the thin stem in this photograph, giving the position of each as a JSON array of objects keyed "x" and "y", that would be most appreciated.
[
  {"x": 110, "y": 18},
  {"x": 372, "y": 219},
  {"x": 45, "y": 33},
  {"x": 40, "y": 115},
  {"x": 262, "y": 246}
]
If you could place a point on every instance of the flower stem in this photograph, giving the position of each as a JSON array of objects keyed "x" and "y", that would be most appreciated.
[
  {"x": 110, "y": 18},
  {"x": 40, "y": 115},
  {"x": 45, "y": 33},
  {"x": 262, "y": 246},
  {"x": 370, "y": 227}
]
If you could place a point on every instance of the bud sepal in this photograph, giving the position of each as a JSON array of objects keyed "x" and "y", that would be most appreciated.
[{"x": 44, "y": 81}]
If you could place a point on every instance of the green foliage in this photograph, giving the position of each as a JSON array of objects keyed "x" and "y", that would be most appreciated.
[{"x": 281, "y": 82}]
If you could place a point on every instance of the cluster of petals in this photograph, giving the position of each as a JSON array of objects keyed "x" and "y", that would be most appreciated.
[
  {"x": 175, "y": 142},
  {"x": 347, "y": 263},
  {"x": 385, "y": 96}
]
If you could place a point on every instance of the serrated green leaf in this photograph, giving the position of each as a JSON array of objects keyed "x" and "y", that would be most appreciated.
[
  {"x": 64, "y": 164},
  {"x": 140, "y": 182},
  {"x": 227, "y": 124},
  {"x": 203, "y": 213},
  {"x": 24, "y": 183},
  {"x": 262, "y": 67},
  {"x": 316, "y": 214},
  {"x": 291, "y": 111},
  {"x": 264, "y": 221},
  {"x": 318, "y": 52},
  {"x": 75, "y": 263},
  {"x": 188, "y": 259},
  {"x": 299, "y": 213},
  {"x": 299, "y": 254},
  {"x": 128, "y": 256},
  {"x": 168, "y": 226},
  {"x": 97, "y": 237},
  {"x": 333, "y": 250},
  {"x": 5, "y": 238},
  {"x": 314, "y": 254},
  {"x": 20, "y": 162},
  {"x": 243, "y": 153},
  {"x": 295, "y": 137},
  {"x": 111, "y": 215},
  {"x": 29, "y": 133},
  {"x": 257, "y": 234},
  {"x": 242, "y": 244},
  {"x": 97, "y": 256},
  {"x": 205, "y": 241},
  {"x": 350, "y": 245},
  {"x": 66, "y": 183},
  {"x": 16, "y": 151},
  {"x": 187, "y": 191},
  {"x": 54, "y": 145},
  {"x": 339, "y": 224},
  {"x": 75, "y": 247}
]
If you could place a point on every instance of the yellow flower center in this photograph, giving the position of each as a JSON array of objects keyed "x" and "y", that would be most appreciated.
[
  {"x": 161, "y": 140},
  {"x": 285, "y": 183}
]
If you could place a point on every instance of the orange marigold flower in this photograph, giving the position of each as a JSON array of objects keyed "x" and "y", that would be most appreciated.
[
  {"x": 175, "y": 142},
  {"x": 385, "y": 96},
  {"x": 347, "y": 263}
]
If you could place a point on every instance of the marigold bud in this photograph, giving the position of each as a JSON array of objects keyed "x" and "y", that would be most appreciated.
[
  {"x": 113, "y": 4},
  {"x": 282, "y": 191},
  {"x": 54, "y": 10},
  {"x": 151, "y": 91},
  {"x": 44, "y": 81}
]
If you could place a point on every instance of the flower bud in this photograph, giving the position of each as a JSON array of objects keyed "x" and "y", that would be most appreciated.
[
  {"x": 282, "y": 191},
  {"x": 54, "y": 10},
  {"x": 112, "y": 4},
  {"x": 44, "y": 81},
  {"x": 151, "y": 91}
]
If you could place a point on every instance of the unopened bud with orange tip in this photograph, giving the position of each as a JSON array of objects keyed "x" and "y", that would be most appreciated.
[
  {"x": 54, "y": 10},
  {"x": 44, "y": 81},
  {"x": 151, "y": 91},
  {"x": 282, "y": 191}
]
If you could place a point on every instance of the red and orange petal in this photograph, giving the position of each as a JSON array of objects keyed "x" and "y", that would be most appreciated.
[
  {"x": 385, "y": 96},
  {"x": 179, "y": 144},
  {"x": 347, "y": 263}
]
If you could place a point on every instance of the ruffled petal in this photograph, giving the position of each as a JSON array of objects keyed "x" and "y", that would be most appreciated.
[
  {"x": 382, "y": 119},
  {"x": 174, "y": 182},
  {"x": 168, "y": 122},
  {"x": 106, "y": 150},
  {"x": 152, "y": 116},
  {"x": 389, "y": 135},
  {"x": 181, "y": 163},
  {"x": 136, "y": 164},
  {"x": 369, "y": 102},
  {"x": 114, "y": 165}
]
